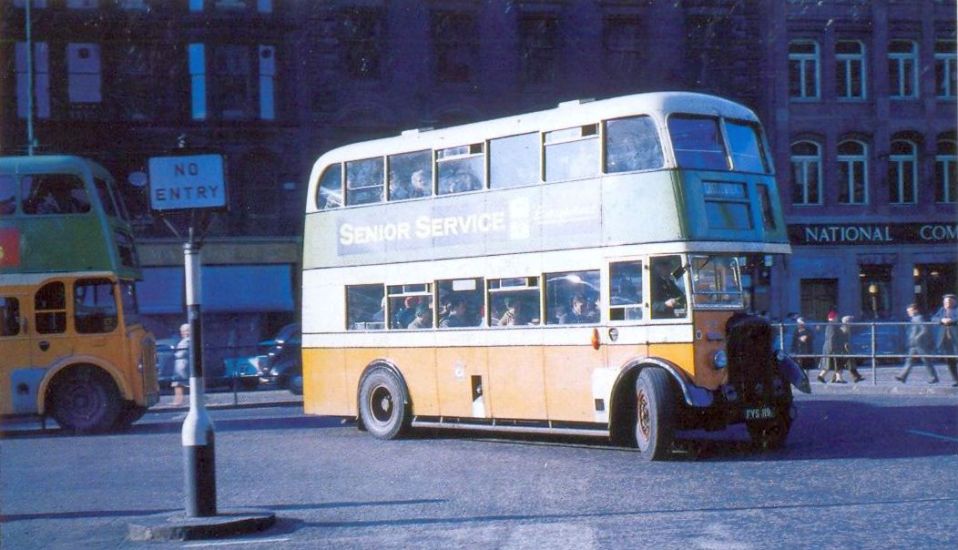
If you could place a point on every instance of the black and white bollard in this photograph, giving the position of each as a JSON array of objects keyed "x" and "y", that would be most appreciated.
[{"x": 199, "y": 456}]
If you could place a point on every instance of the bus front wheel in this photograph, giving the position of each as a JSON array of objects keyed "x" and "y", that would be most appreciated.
[
  {"x": 382, "y": 404},
  {"x": 654, "y": 423},
  {"x": 85, "y": 400}
]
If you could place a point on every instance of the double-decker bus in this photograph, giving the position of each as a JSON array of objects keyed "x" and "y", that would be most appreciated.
[
  {"x": 71, "y": 340},
  {"x": 574, "y": 271}
]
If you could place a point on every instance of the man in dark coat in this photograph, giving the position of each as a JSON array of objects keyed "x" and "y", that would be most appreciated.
[
  {"x": 919, "y": 344},
  {"x": 948, "y": 335}
]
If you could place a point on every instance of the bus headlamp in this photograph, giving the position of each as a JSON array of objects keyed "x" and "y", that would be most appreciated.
[{"x": 720, "y": 359}]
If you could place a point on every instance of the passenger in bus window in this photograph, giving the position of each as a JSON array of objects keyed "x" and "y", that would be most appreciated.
[
  {"x": 581, "y": 312},
  {"x": 456, "y": 316},
  {"x": 420, "y": 185},
  {"x": 407, "y": 313},
  {"x": 514, "y": 315},
  {"x": 423, "y": 317},
  {"x": 398, "y": 189},
  {"x": 668, "y": 299}
]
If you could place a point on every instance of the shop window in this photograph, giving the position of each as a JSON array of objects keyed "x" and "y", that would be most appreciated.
[
  {"x": 932, "y": 281},
  {"x": 876, "y": 297}
]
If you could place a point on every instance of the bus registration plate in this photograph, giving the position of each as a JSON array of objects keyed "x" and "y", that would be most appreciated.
[{"x": 759, "y": 413}]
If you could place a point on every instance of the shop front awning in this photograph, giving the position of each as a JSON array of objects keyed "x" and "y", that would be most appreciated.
[{"x": 225, "y": 289}]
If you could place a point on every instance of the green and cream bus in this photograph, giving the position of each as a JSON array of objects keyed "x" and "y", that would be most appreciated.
[{"x": 71, "y": 342}]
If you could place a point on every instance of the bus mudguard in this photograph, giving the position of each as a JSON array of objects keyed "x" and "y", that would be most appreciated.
[
  {"x": 388, "y": 365},
  {"x": 792, "y": 372},
  {"x": 695, "y": 396},
  {"x": 126, "y": 392}
]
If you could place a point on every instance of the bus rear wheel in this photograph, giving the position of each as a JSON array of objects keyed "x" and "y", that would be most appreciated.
[
  {"x": 85, "y": 400},
  {"x": 655, "y": 414},
  {"x": 382, "y": 404}
]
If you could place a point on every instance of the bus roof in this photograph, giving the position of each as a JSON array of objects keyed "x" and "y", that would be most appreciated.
[
  {"x": 41, "y": 164},
  {"x": 565, "y": 115},
  {"x": 33, "y": 279}
]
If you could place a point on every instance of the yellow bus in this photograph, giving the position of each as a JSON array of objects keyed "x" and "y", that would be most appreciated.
[
  {"x": 573, "y": 271},
  {"x": 71, "y": 341}
]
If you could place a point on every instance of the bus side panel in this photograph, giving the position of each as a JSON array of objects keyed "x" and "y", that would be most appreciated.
[
  {"x": 516, "y": 387},
  {"x": 568, "y": 374},
  {"x": 418, "y": 369},
  {"x": 324, "y": 383},
  {"x": 681, "y": 354},
  {"x": 460, "y": 393}
]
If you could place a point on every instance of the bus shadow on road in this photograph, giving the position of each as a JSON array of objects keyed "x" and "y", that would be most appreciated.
[{"x": 823, "y": 429}]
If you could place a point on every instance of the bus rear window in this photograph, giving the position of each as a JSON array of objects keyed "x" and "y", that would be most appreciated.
[
  {"x": 697, "y": 143},
  {"x": 745, "y": 146},
  {"x": 54, "y": 194}
]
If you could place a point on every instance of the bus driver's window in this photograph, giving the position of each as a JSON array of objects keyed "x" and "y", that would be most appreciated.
[{"x": 667, "y": 287}]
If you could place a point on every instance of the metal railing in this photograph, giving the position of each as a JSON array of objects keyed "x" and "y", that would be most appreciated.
[{"x": 874, "y": 342}]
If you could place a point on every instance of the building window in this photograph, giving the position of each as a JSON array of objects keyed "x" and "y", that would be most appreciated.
[
  {"x": 83, "y": 73},
  {"x": 803, "y": 69},
  {"x": 361, "y": 34},
  {"x": 230, "y": 84},
  {"x": 538, "y": 35},
  {"x": 945, "y": 69},
  {"x": 197, "y": 65},
  {"x": 456, "y": 46},
  {"x": 806, "y": 173},
  {"x": 133, "y": 92},
  {"x": 852, "y": 172},
  {"x": 850, "y": 69},
  {"x": 623, "y": 48},
  {"x": 82, "y": 4},
  {"x": 946, "y": 172},
  {"x": 902, "y": 172},
  {"x": 41, "y": 80},
  {"x": 903, "y": 69}
]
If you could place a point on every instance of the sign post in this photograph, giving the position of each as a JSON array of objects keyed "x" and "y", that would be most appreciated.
[
  {"x": 193, "y": 183},
  {"x": 189, "y": 187}
]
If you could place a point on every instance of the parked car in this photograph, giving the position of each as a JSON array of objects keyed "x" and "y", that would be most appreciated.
[{"x": 283, "y": 365}]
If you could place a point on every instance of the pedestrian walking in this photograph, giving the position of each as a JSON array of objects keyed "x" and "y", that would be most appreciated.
[
  {"x": 803, "y": 342},
  {"x": 851, "y": 363},
  {"x": 947, "y": 316},
  {"x": 919, "y": 344},
  {"x": 833, "y": 344},
  {"x": 181, "y": 365}
]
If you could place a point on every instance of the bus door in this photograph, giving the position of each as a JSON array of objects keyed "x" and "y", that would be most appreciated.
[{"x": 15, "y": 378}]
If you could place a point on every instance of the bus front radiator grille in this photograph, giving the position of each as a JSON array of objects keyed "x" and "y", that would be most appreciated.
[{"x": 748, "y": 344}]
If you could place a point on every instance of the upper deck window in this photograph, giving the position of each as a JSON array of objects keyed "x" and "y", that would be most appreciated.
[
  {"x": 54, "y": 194},
  {"x": 106, "y": 199},
  {"x": 364, "y": 181},
  {"x": 461, "y": 168},
  {"x": 514, "y": 161},
  {"x": 410, "y": 175},
  {"x": 746, "y": 147},
  {"x": 329, "y": 193},
  {"x": 697, "y": 143},
  {"x": 632, "y": 144},
  {"x": 572, "y": 153}
]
